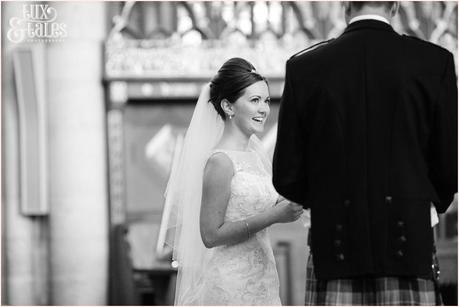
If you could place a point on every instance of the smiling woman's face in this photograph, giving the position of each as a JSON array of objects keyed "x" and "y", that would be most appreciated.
[{"x": 252, "y": 109}]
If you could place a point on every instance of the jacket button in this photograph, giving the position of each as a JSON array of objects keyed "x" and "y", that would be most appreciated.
[
  {"x": 388, "y": 199},
  {"x": 340, "y": 257},
  {"x": 400, "y": 254},
  {"x": 339, "y": 227},
  {"x": 402, "y": 239},
  {"x": 337, "y": 243},
  {"x": 400, "y": 224},
  {"x": 347, "y": 203}
]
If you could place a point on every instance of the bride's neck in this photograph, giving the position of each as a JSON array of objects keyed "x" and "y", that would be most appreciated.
[{"x": 233, "y": 138}]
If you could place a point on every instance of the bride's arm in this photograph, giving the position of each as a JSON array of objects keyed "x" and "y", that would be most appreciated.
[{"x": 215, "y": 196}]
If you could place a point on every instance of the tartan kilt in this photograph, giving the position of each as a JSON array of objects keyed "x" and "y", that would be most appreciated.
[{"x": 370, "y": 291}]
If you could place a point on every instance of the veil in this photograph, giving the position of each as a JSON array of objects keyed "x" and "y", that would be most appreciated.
[{"x": 183, "y": 196}]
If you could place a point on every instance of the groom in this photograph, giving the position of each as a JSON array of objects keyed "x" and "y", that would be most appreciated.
[{"x": 367, "y": 139}]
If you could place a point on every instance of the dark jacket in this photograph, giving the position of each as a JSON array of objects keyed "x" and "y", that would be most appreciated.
[{"x": 367, "y": 138}]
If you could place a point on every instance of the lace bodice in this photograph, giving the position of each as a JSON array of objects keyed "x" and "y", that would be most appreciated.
[
  {"x": 244, "y": 273},
  {"x": 252, "y": 191}
]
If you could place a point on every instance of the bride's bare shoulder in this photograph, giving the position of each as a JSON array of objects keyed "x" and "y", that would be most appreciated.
[
  {"x": 219, "y": 161},
  {"x": 218, "y": 167}
]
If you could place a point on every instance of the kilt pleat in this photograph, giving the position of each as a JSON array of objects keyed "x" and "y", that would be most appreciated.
[{"x": 380, "y": 291}]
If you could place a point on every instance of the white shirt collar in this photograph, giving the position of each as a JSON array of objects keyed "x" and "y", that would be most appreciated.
[{"x": 369, "y": 16}]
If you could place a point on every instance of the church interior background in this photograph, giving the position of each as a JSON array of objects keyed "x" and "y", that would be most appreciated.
[{"x": 90, "y": 124}]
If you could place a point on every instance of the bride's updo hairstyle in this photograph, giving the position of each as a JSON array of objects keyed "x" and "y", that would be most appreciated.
[{"x": 230, "y": 82}]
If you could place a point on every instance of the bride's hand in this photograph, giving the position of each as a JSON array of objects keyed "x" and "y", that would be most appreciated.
[
  {"x": 280, "y": 199},
  {"x": 287, "y": 212}
]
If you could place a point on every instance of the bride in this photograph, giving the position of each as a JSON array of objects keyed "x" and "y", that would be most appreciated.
[{"x": 223, "y": 197}]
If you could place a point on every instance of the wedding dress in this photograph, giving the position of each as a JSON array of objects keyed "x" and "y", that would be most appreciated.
[{"x": 243, "y": 273}]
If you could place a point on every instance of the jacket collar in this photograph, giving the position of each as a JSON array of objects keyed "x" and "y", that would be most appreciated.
[{"x": 368, "y": 24}]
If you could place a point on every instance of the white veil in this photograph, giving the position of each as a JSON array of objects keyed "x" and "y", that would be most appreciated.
[
  {"x": 183, "y": 193},
  {"x": 183, "y": 196}
]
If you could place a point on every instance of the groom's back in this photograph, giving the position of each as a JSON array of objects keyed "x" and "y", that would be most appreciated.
[
  {"x": 376, "y": 129},
  {"x": 375, "y": 92}
]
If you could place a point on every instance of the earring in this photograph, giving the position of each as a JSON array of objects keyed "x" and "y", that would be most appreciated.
[{"x": 231, "y": 116}]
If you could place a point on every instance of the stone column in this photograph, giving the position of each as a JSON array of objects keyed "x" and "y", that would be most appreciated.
[
  {"x": 77, "y": 158},
  {"x": 24, "y": 239}
]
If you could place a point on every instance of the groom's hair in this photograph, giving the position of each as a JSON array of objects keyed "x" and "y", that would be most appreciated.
[
  {"x": 231, "y": 80},
  {"x": 358, "y": 5}
]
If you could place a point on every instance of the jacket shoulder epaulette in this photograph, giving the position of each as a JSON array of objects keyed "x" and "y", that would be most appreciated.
[{"x": 310, "y": 48}]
